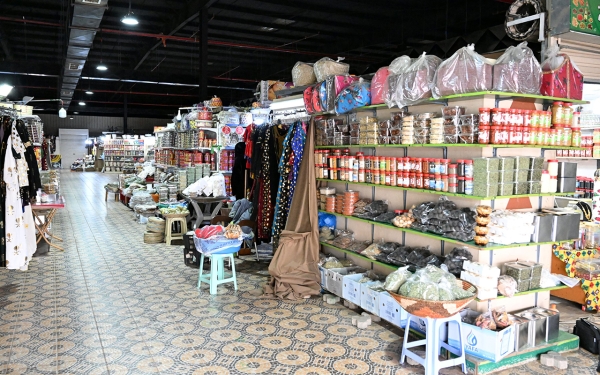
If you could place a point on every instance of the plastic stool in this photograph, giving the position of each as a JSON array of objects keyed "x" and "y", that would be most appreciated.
[
  {"x": 217, "y": 272},
  {"x": 169, "y": 235},
  {"x": 434, "y": 343}
]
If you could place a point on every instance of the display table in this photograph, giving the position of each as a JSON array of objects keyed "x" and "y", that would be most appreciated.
[
  {"x": 588, "y": 293},
  {"x": 47, "y": 212},
  {"x": 202, "y": 208}
]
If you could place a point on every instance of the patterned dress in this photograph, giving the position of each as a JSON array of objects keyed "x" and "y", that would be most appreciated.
[{"x": 17, "y": 255}]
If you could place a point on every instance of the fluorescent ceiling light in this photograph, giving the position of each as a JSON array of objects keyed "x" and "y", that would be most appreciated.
[
  {"x": 265, "y": 28},
  {"x": 70, "y": 118},
  {"x": 81, "y": 103},
  {"x": 89, "y": 92},
  {"x": 62, "y": 113},
  {"x": 283, "y": 21},
  {"x": 75, "y": 113},
  {"x": 5, "y": 90},
  {"x": 288, "y": 104},
  {"x": 129, "y": 19},
  {"x": 101, "y": 67}
]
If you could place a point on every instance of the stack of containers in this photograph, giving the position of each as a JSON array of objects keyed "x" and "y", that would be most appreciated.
[
  {"x": 436, "y": 130},
  {"x": 226, "y": 160},
  {"x": 527, "y": 274},
  {"x": 182, "y": 174},
  {"x": 486, "y": 176},
  {"x": 483, "y": 276},
  {"x": 506, "y": 171},
  {"x": 324, "y": 133},
  {"x": 566, "y": 177},
  {"x": 384, "y": 132},
  {"x": 534, "y": 168},
  {"x": 190, "y": 177},
  {"x": 459, "y": 127},
  {"x": 329, "y": 202},
  {"x": 396, "y": 120},
  {"x": 350, "y": 198},
  {"x": 341, "y": 134},
  {"x": 367, "y": 128},
  {"x": 339, "y": 203}
]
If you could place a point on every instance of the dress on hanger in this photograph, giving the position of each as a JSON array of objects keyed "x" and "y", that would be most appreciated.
[{"x": 5, "y": 130}]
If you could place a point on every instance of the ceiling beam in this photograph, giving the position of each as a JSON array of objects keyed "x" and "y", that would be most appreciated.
[{"x": 5, "y": 45}]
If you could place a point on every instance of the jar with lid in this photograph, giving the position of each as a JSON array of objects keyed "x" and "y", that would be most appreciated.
[
  {"x": 484, "y": 117},
  {"x": 534, "y": 120},
  {"x": 461, "y": 185},
  {"x": 426, "y": 181},
  {"x": 512, "y": 117},
  {"x": 405, "y": 179},
  {"x": 399, "y": 164},
  {"x": 506, "y": 116},
  {"x": 412, "y": 179},
  {"x": 419, "y": 181},
  {"x": 553, "y": 184},
  {"x": 368, "y": 163},
  {"x": 431, "y": 166},
  {"x": 484, "y": 135},
  {"x": 444, "y": 182},
  {"x": 406, "y": 167},
  {"x": 452, "y": 179},
  {"x": 576, "y": 120},
  {"x": 460, "y": 170},
  {"x": 375, "y": 163},
  {"x": 361, "y": 161},
  {"x": 444, "y": 163},
  {"x": 537, "y": 136},
  {"x": 318, "y": 156},
  {"x": 368, "y": 176},
  {"x": 566, "y": 139},
  {"x": 558, "y": 113},
  {"x": 424, "y": 165},
  {"x": 553, "y": 167},
  {"x": 393, "y": 178},
  {"x": 452, "y": 188},
  {"x": 351, "y": 160},
  {"x": 376, "y": 177},
  {"x": 353, "y": 175},
  {"x": 333, "y": 174},
  {"x": 382, "y": 163},
  {"x": 496, "y": 135},
  {"x": 518, "y": 120},
  {"x": 418, "y": 165},
  {"x": 469, "y": 168},
  {"x": 439, "y": 185},
  {"x": 319, "y": 171},
  {"x": 546, "y": 137},
  {"x": 468, "y": 185},
  {"x": 387, "y": 179},
  {"x": 576, "y": 138},
  {"x": 496, "y": 117},
  {"x": 554, "y": 135},
  {"x": 519, "y": 135},
  {"x": 452, "y": 169},
  {"x": 361, "y": 175},
  {"x": 547, "y": 119},
  {"x": 568, "y": 114},
  {"x": 393, "y": 165},
  {"x": 431, "y": 181},
  {"x": 527, "y": 117},
  {"x": 504, "y": 138},
  {"x": 437, "y": 166},
  {"x": 512, "y": 136},
  {"x": 346, "y": 151}
]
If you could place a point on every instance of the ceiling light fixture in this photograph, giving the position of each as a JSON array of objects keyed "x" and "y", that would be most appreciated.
[
  {"x": 81, "y": 103},
  {"x": 265, "y": 28},
  {"x": 102, "y": 67},
  {"x": 5, "y": 90},
  {"x": 89, "y": 92},
  {"x": 129, "y": 18}
]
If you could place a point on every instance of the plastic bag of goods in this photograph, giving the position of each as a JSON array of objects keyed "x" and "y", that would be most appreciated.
[
  {"x": 379, "y": 86},
  {"x": 356, "y": 95},
  {"x": 465, "y": 71},
  {"x": 400, "y": 64},
  {"x": 307, "y": 96},
  {"x": 303, "y": 74},
  {"x": 331, "y": 88},
  {"x": 560, "y": 76},
  {"x": 317, "y": 103},
  {"x": 327, "y": 220},
  {"x": 507, "y": 286},
  {"x": 326, "y": 67},
  {"x": 394, "y": 280},
  {"x": 414, "y": 85},
  {"x": 517, "y": 70}
]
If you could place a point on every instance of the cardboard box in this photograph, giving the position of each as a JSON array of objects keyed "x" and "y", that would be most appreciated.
[
  {"x": 335, "y": 279},
  {"x": 482, "y": 343},
  {"x": 390, "y": 310},
  {"x": 323, "y": 272},
  {"x": 351, "y": 288},
  {"x": 369, "y": 298}
]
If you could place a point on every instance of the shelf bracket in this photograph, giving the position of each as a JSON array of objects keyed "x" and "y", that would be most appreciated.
[
  {"x": 443, "y": 102},
  {"x": 501, "y": 99}
]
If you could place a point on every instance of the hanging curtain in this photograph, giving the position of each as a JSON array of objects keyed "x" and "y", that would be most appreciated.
[{"x": 294, "y": 270}]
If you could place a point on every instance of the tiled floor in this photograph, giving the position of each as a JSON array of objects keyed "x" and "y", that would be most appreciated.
[{"x": 110, "y": 304}]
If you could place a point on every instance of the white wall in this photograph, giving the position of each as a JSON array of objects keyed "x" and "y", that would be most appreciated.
[{"x": 72, "y": 145}]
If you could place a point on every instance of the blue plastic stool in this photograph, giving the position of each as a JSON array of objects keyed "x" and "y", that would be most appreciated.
[
  {"x": 433, "y": 345},
  {"x": 217, "y": 271}
]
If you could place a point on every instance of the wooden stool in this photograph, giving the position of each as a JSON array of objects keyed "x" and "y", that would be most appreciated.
[
  {"x": 169, "y": 235},
  {"x": 116, "y": 193}
]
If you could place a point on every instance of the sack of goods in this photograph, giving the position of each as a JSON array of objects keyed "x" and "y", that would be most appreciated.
[
  {"x": 414, "y": 84},
  {"x": 466, "y": 71},
  {"x": 517, "y": 70}
]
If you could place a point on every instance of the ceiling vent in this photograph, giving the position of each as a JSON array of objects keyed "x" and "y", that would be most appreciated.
[{"x": 75, "y": 66}]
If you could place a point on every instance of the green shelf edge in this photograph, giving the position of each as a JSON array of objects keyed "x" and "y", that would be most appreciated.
[
  {"x": 532, "y": 291},
  {"x": 440, "y": 238},
  {"x": 452, "y": 145},
  {"x": 427, "y": 191},
  {"x": 471, "y": 95}
]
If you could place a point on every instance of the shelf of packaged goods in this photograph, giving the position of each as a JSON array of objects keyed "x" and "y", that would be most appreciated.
[
  {"x": 353, "y": 253},
  {"x": 447, "y": 193},
  {"x": 452, "y": 145},
  {"x": 489, "y": 246},
  {"x": 183, "y": 149},
  {"x": 473, "y": 95},
  {"x": 532, "y": 291}
]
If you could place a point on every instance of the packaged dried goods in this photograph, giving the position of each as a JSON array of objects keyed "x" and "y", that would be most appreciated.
[
  {"x": 560, "y": 76},
  {"x": 326, "y": 234},
  {"x": 332, "y": 262},
  {"x": 385, "y": 217},
  {"x": 446, "y": 219},
  {"x": 334, "y": 85},
  {"x": 518, "y": 70},
  {"x": 344, "y": 239},
  {"x": 394, "y": 280},
  {"x": 400, "y": 64},
  {"x": 359, "y": 246},
  {"x": 327, "y": 67},
  {"x": 388, "y": 247},
  {"x": 486, "y": 321},
  {"x": 455, "y": 259},
  {"x": 501, "y": 317},
  {"x": 414, "y": 84},
  {"x": 356, "y": 95},
  {"x": 433, "y": 284},
  {"x": 372, "y": 251},
  {"x": 465, "y": 71},
  {"x": 507, "y": 286},
  {"x": 403, "y": 221},
  {"x": 379, "y": 86},
  {"x": 303, "y": 74}
]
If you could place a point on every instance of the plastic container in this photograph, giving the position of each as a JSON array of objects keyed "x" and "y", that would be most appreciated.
[
  {"x": 557, "y": 113},
  {"x": 553, "y": 184},
  {"x": 452, "y": 169},
  {"x": 484, "y": 116},
  {"x": 468, "y": 185},
  {"x": 534, "y": 121},
  {"x": 484, "y": 134},
  {"x": 553, "y": 167},
  {"x": 460, "y": 168},
  {"x": 545, "y": 181},
  {"x": 468, "y": 169}
]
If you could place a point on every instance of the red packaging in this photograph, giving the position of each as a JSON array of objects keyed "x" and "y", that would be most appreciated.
[
  {"x": 565, "y": 81},
  {"x": 379, "y": 86}
]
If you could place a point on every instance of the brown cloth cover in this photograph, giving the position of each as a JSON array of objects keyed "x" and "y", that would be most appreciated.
[{"x": 294, "y": 269}]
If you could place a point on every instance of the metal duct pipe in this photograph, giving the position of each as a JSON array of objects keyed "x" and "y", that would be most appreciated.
[{"x": 164, "y": 83}]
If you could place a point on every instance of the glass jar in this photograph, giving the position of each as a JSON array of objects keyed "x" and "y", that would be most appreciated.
[
  {"x": 468, "y": 186},
  {"x": 444, "y": 166},
  {"x": 387, "y": 178},
  {"x": 405, "y": 179},
  {"x": 567, "y": 114},
  {"x": 576, "y": 138},
  {"x": 334, "y": 174},
  {"x": 438, "y": 166},
  {"x": 399, "y": 178},
  {"x": 461, "y": 185},
  {"x": 382, "y": 163},
  {"x": 452, "y": 179},
  {"x": 452, "y": 188},
  {"x": 547, "y": 119},
  {"x": 444, "y": 182},
  {"x": 368, "y": 163},
  {"x": 484, "y": 117},
  {"x": 412, "y": 180},
  {"x": 567, "y": 137},
  {"x": 469, "y": 168},
  {"x": 426, "y": 181},
  {"x": 361, "y": 175},
  {"x": 393, "y": 165},
  {"x": 375, "y": 163},
  {"x": 418, "y": 165},
  {"x": 496, "y": 117},
  {"x": 419, "y": 181},
  {"x": 554, "y": 135},
  {"x": 393, "y": 178},
  {"x": 484, "y": 135},
  {"x": 533, "y": 135},
  {"x": 406, "y": 163},
  {"x": 376, "y": 177},
  {"x": 424, "y": 165},
  {"x": 431, "y": 166},
  {"x": 452, "y": 169},
  {"x": 368, "y": 176},
  {"x": 534, "y": 121},
  {"x": 557, "y": 113},
  {"x": 431, "y": 182},
  {"x": 439, "y": 185},
  {"x": 399, "y": 164},
  {"x": 460, "y": 170},
  {"x": 527, "y": 117}
]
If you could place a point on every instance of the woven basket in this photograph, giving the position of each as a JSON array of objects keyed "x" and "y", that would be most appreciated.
[
  {"x": 435, "y": 309},
  {"x": 170, "y": 216},
  {"x": 151, "y": 237},
  {"x": 155, "y": 225}
]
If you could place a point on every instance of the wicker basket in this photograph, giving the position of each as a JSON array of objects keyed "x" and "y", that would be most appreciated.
[
  {"x": 152, "y": 238},
  {"x": 435, "y": 309},
  {"x": 155, "y": 225},
  {"x": 171, "y": 216}
]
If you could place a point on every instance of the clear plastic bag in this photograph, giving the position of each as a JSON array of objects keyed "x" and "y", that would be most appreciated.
[
  {"x": 454, "y": 260},
  {"x": 501, "y": 317},
  {"x": 465, "y": 71},
  {"x": 486, "y": 321},
  {"x": 303, "y": 74},
  {"x": 400, "y": 64},
  {"x": 326, "y": 234},
  {"x": 394, "y": 280},
  {"x": 518, "y": 70},
  {"x": 344, "y": 239},
  {"x": 332, "y": 262},
  {"x": 507, "y": 286},
  {"x": 414, "y": 85},
  {"x": 372, "y": 251},
  {"x": 327, "y": 67},
  {"x": 389, "y": 247},
  {"x": 399, "y": 257}
]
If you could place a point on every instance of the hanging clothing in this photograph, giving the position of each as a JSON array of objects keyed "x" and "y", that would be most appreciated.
[
  {"x": 238, "y": 173},
  {"x": 29, "y": 153},
  {"x": 289, "y": 165},
  {"x": 294, "y": 270},
  {"x": 5, "y": 130},
  {"x": 17, "y": 255},
  {"x": 248, "y": 140}
]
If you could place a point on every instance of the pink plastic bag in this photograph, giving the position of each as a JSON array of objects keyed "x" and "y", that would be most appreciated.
[
  {"x": 335, "y": 85},
  {"x": 379, "y": 86}
]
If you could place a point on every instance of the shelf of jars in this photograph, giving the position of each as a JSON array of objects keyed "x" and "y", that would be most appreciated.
[
  {"x": 428, "y": 191},
  {"x": 489, "y": 246}
]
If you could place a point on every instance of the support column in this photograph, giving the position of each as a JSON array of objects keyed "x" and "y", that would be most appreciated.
[
  {"x": 125, "y": 114},
  {"x": 203, "y": 53}
]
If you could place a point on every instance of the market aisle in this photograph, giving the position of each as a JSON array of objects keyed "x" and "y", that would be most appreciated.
[{"x": 112, "y": 305}]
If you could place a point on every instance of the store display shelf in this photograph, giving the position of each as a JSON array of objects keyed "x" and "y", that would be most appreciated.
[
  {"x": 532, "y": 291},
  {"x": 353, "y": 253},
  {"x": 577, "y": 158},
  {"x": 225, "y": 172},
  {"x": 183, "y": 149},
  {"x": 476, "y": 197},
  {"x": 453, "y": 145},
  {"x": 489, "y": 246}
]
